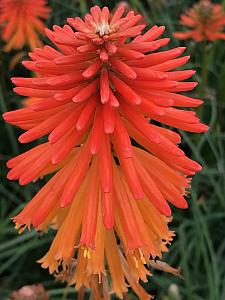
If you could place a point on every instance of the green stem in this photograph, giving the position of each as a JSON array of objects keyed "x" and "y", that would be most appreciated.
[
  {"x": 9, "y": 129},
  {"x": 204, "y": 76},
  {"x": 83, "y": 7},
  {"x": 223, "y": 3},
  {"x": 204, "y": 71}
]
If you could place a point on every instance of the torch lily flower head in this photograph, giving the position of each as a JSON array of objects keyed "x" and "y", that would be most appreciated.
[
  {"x": 100, "y": 91},
  {"x": 21, "y": 22},
  {"x": 205, "y": 20}
]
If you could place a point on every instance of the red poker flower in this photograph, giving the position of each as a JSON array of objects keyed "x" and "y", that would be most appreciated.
[
  {"x": 205, "y": 20},
  {"x": 21, "y": 22},
  {"x": 100, "y": 91}
]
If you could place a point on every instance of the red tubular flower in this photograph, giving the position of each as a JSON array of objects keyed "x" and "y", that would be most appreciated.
[
  {"x": 206, "y": 21},
  {"x": 99, "y": 91},
  {"x": 21, "y": 22}
]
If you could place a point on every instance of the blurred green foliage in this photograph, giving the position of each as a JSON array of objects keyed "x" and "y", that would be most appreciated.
[{"x": 199, "y": 247}]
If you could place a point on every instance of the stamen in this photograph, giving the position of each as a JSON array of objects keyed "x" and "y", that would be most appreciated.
[
  {"x": 99, "y": 278},
  {"x": 20, "y": 228},
  {"x": 102, "y": 28},
  {"x": 136, "y": 262},
  {"x": 143, "y": 260},
  {"x": 87, "y": 253}
]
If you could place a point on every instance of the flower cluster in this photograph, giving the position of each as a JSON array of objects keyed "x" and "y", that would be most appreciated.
[
  {"x": 205, "y": 20},
  {"x": 102, "y": 92},
  {"x": 21, "y": 22}
]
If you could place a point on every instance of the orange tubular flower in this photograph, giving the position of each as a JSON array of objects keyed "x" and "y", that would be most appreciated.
[
  {"x": 20, "y": 21},
  {"x": 100, "y": 90},
  {"x": 206, "y": 21}
]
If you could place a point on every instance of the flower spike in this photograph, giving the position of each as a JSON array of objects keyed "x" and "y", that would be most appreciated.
[
  {"x": 21, "y": 22},
  {"x": 97, "y": 95},
  {"x": 205, "y": 20}
]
